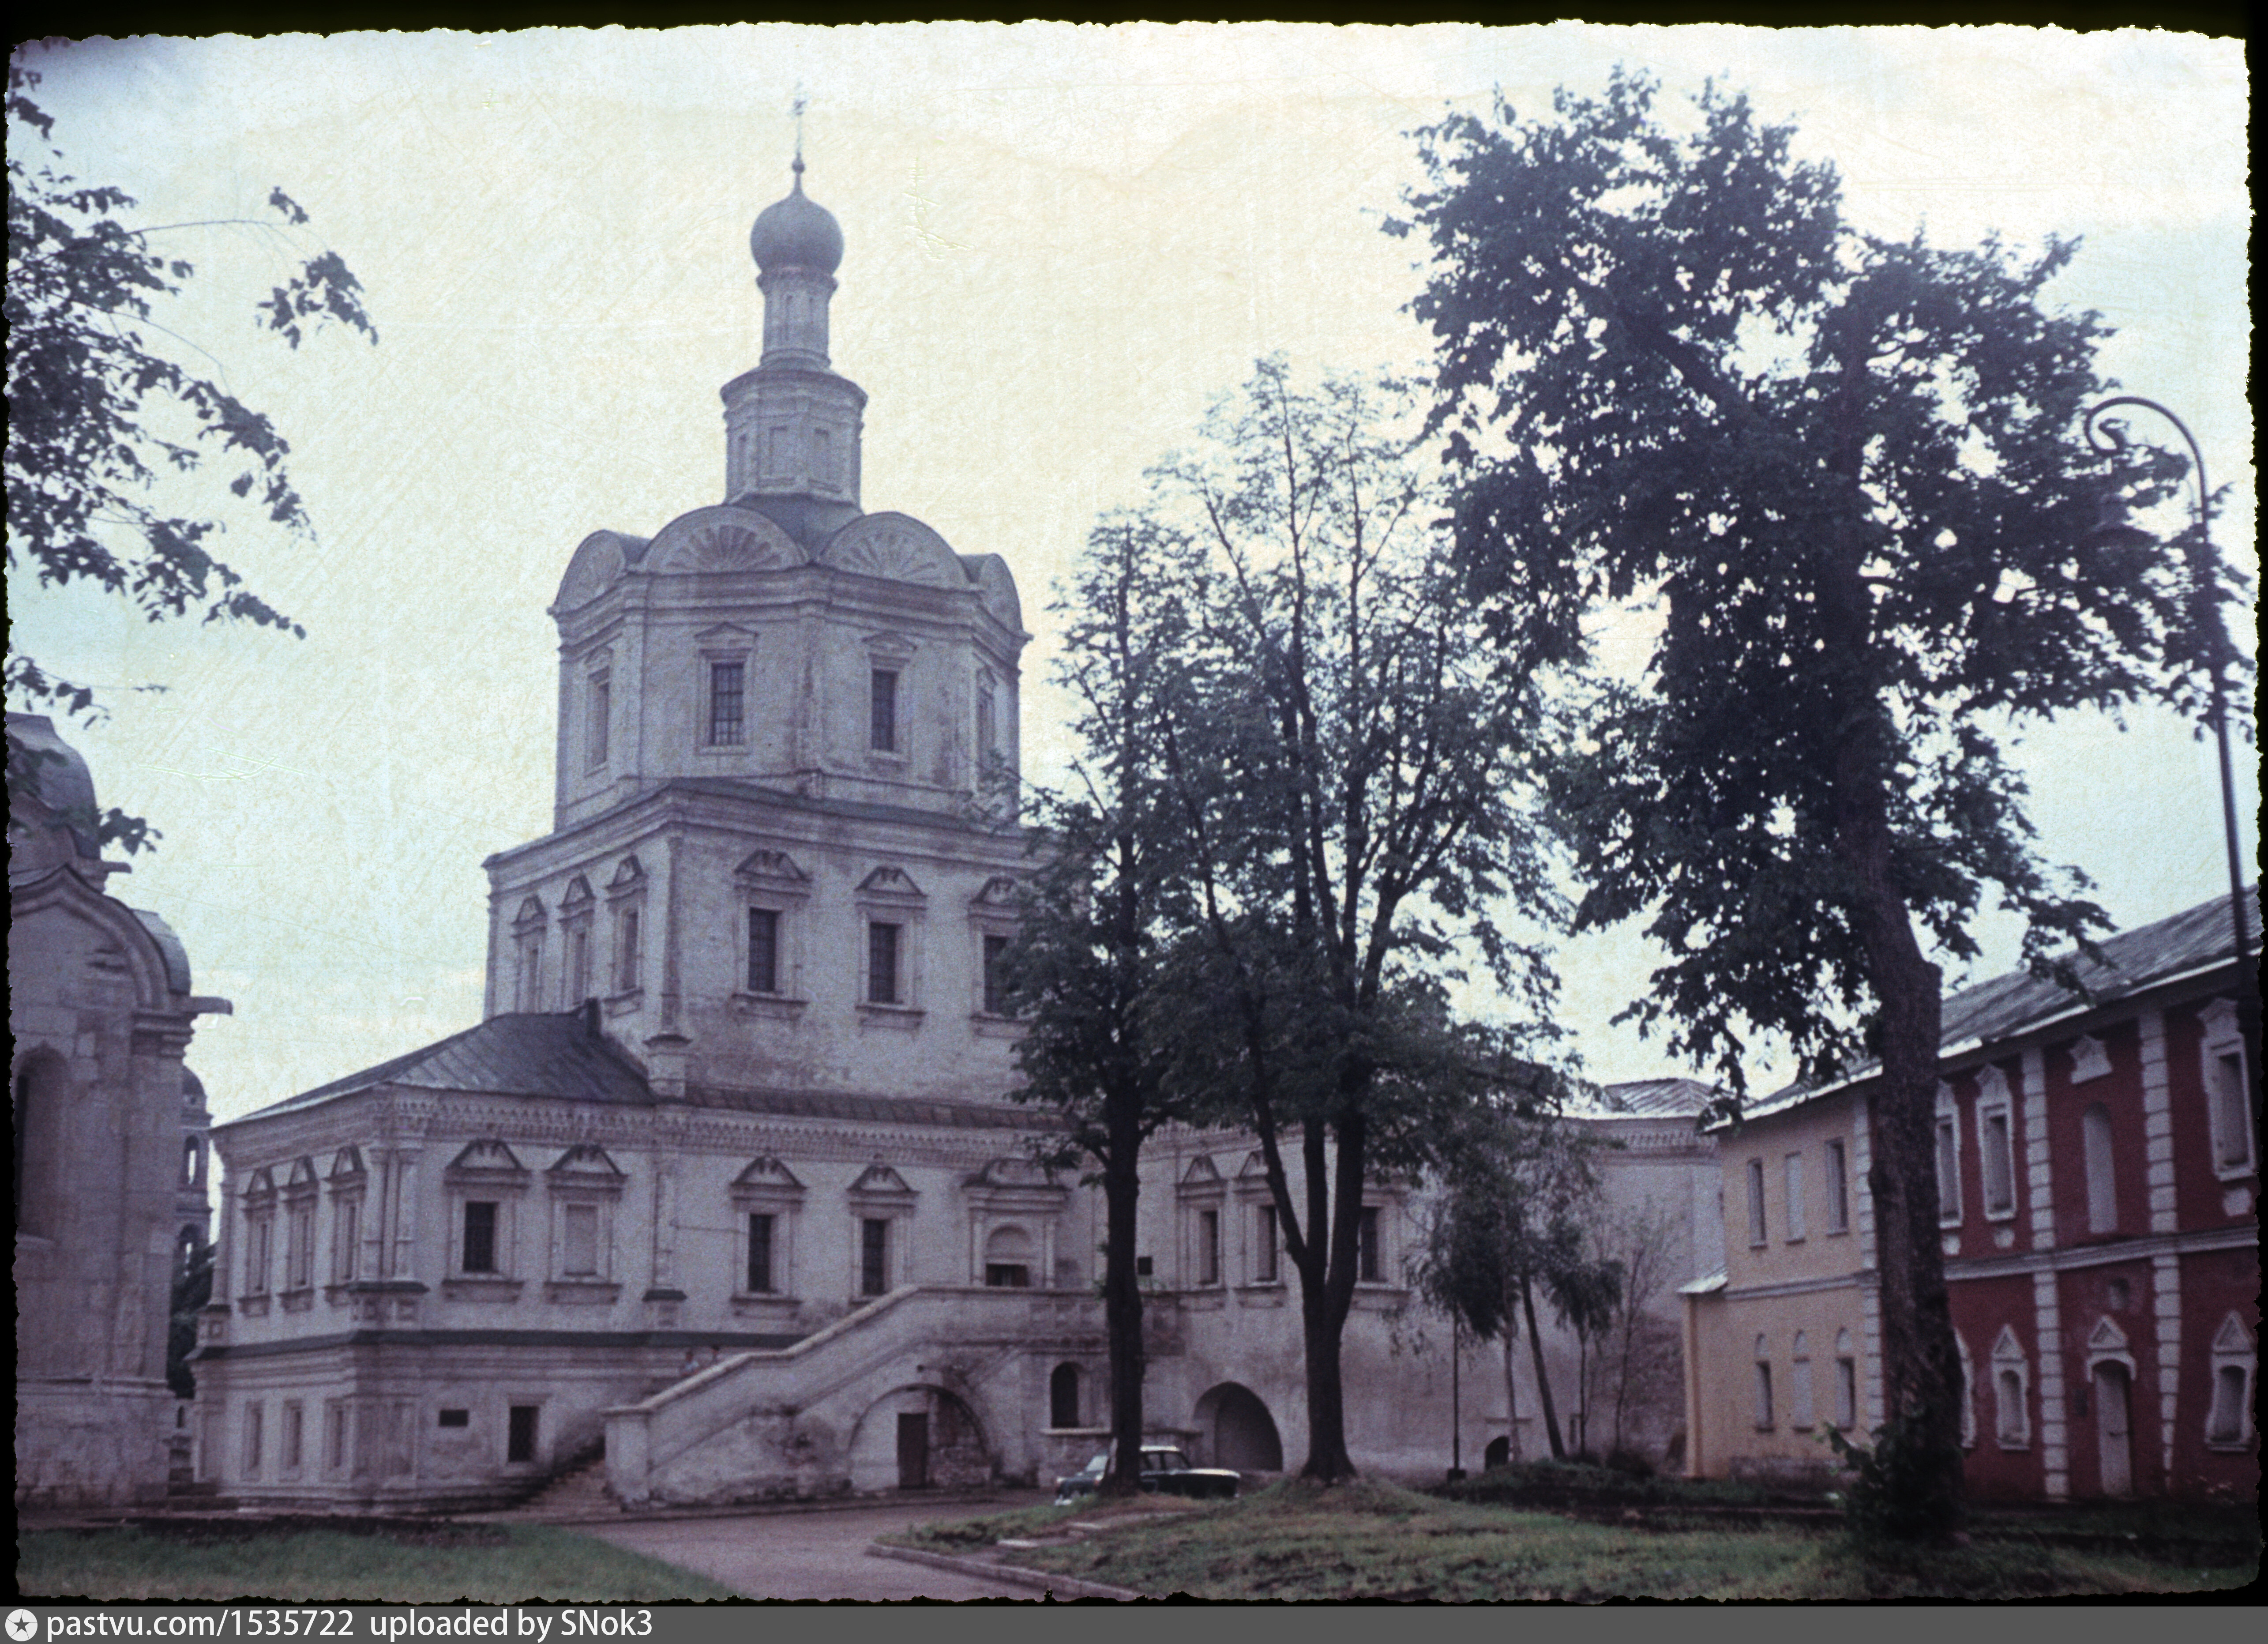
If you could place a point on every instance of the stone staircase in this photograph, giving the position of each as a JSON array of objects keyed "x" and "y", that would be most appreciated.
[{"x": 574, "y": 1495}]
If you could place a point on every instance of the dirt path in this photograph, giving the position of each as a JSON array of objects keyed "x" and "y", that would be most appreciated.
[{"x": 810, "y": 1555}]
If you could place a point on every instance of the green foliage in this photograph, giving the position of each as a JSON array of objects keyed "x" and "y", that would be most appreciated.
[
  {"x": 1846, "y": 473},
  {"x": 1898, "y": 1495},
  {"x": 193, "y": 1281},
  {"x": 101, "y": 412}
]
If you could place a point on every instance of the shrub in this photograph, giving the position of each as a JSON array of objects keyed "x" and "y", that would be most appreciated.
[{"x": 1900, "y": 1494}]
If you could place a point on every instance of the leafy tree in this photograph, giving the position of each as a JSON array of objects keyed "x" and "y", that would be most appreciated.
[
  {"x": 1648, "y": 1354},
  {"x": 1587, "y": 1292},
  {"x": 100, "y": 408},
  {"x": 1518, "y": 1189},
  {"x": 192, "y": 1281},
  {"x": 1350, "y": 784},
  {"x": 1845, "y": 469},
  {"x": 1088, "y": 972}
]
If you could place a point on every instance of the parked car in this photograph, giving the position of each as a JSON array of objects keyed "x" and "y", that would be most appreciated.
[{"x": 1164, "y": 1470}]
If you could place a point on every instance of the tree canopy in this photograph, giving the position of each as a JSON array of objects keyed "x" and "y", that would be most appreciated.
[
  {"x": 1846, "y": 471},
  {"x": 102, "y": 411}
]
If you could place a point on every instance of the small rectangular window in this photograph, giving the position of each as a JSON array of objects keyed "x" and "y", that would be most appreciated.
[
  {"x": 600, "y": 712},
  {"x": 579, "y": 967},
  {"x": 727, "y": 683},
  {"x": 346, "y": 1228},
  {"x": 254, "y": 1421},
  {"x": 334, "y": 1437},
  {"x": 882, "y": 722},
  {"x": 301, "y": 1264},
  {"x": 456, "y": 1419},
  {"x": 874, "y": 1255},
  {"x": 626, "y": 952},
  {"x": 882, "y": 964},
  {"x": 760, "y": 1254},
  {"x": 1838, "y": 1189},
  {"x": 519, "y": 1433},
  {"x": 294, "y": 1420},
  {"x": 1948, "y": 1171},
  {"x": 1142, "y": 1267},
  {"x": 1793, "y": 1182},
  {"x": 1263, "y": 1268},
  {"x": 996, "y": 981},
  {"x": 1370, "y": 1266},
  {"x": 1996, "y": 1156},
  {"x": 1755, "y": 1201},
  {"x": 578, "y": 1241},
  {"x": 763, "y": 950},
  {"x": 1208, "y": 1247},
  {"x": 480, "y": 1236}
]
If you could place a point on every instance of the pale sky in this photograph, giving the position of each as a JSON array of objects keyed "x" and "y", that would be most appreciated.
[{"x": 1062, "y": 241}]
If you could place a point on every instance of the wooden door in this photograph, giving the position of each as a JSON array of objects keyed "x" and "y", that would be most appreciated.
[
  {"x": 913, "y": 1451},
  {"x": 2114, "y": 1429}
]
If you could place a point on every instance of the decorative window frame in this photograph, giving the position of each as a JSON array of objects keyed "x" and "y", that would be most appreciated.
[
  {"x": 348, "y": 1184},
  {"x": 1252, "y": 1198},
  {"x": 301, "y": 1197},
  {"x": 891, "y": 653},
  {"x": 2106, "y": 1176},
  {"x": 2235, "y": 1347},
  {"x": 880, "y": 1194},
  {"x": 727, "y": 643},
  {"x": 1792, "y": 1210},
  {"x": 486, "y": 1169},
  {"x": 258, "y": 1201},
  {"x": 1946, "y": 1159},
  {"x": 1994, "y": 1100},
  {"x": 888, "y": 895},
  {"x": 2223, "y": 1036},
  {"x": 996, "y": 909},
  {"x": 2009, "y": 1359},
  {"x": 1759, "y": 1212},
  {"x": 578, "y": 909},
  {"x": 626, "y": 899},
  {"x": 1014, "y": 1190},
  {"x": 1968, "y": 1393},
  {"x": 529, "y": 927},
  {"x": 2106, "y": 1343},
  {"x": 770, "y": 880},
  {"x": 2090, "y": 1059},
  {"x": 1199, "y": 1191},
  {"x": 597, "y": 672},
  {"x": 767, "y": 1188},
  {"x": 582, "y": 1176}
]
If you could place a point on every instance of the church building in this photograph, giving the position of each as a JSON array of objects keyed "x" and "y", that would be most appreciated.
[{"x": 729, "y": 1185}]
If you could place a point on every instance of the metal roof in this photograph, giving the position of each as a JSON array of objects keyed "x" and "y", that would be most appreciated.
[
  {"x": 558, "y": 1056},
  {"x": 2196, "y": 938},
  {"x": 1653, "y": 1098}
]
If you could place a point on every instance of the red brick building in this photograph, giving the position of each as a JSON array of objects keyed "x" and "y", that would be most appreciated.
[{"x": 2098, "y": 1183}]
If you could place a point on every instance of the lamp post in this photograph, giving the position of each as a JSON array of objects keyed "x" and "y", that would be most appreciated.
[{"x": 2205, "y": 563}]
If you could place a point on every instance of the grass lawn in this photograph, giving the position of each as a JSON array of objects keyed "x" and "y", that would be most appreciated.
[
  {"x": 1367, "y": 1540},
  {"x": 362, "y": 1561}
]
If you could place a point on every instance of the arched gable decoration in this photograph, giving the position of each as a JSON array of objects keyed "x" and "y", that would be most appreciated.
[
  {"x": 891, "y": 882},
  {"x": 2089, "y": 1059},
  {"x": 586, "y": 1165},
  {"x": 769, "y": 1174},
  {"x": 996, "y": 588},
  {"x": 879, "y": 1180},
  {"x": 722, "y": 538},
  {"x": 896, "y": 548},
  {"x": 771, "y": 867},
  {"x": 489, "y": 1158},
  {"x": 1201, "y": 1173},
  {"x": 126, "y": 942},
  {"x": 347, "y": 1164},
  {"x": 628, "y": 876},
  {"x": 999, "y": 891},
  {"x": 531, "y": 913},
  {"x": 579, "y": 893},
  {"x": 597, "y": 564}
]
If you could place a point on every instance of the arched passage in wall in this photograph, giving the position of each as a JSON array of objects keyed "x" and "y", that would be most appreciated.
[
  {"x": 42, "y": 1097},
  {"x": 1238, "y": 1430},
  {"x": 919, "y": 1438},
  {"x": 1063, "y": 1397}
]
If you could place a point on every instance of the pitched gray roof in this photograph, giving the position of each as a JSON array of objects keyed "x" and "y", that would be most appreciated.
[
  {"x": 2196, "y": 938},
  {"x": 1655, "y": 1098},
  {"x": 558, "y": 1056}
]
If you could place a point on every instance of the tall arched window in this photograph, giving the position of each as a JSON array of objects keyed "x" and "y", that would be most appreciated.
[
  {"x": 42, "y": 1100},
  {"x": 1063, "y": 1397},
  {"x": 1799, "y": 1382},
  {"x": 2102, "y": 1183},
  {"x": 1846, "y": 1381},
  {"x": 1764, "y": 1385}
]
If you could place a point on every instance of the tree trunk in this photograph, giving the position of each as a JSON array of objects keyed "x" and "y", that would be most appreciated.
[
  {"x": 1543, "y": 1380},
  {"x": 1921, "y": 1366},
  {"x": 1326, "y": 1292},
  {"x": 1121, "y": 1296},
  {"x": 1512, "y": 1451}
]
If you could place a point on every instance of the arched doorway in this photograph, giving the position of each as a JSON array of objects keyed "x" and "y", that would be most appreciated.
[
  {"x": 1063, "y": 1397},
  {"x": 919, "y": 1438},
  {"x": 1499, "y": 1453},
  {"x": 1238, "y": 1430}
]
